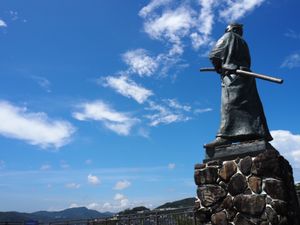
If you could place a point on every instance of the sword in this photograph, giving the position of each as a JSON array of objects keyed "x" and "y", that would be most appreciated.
[{"x": 247, "y": 73}]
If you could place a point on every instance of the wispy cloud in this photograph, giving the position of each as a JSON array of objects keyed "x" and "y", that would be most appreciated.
[
  {"x": 163, "y": 115},
  {"x": 123, "y": 184},
  {"x": 288, "y": 144},
  {"x": 123, "y": 201},
  {"x": 291, "y": 61},
  {"x": 235, "y": 10},
  {"x": 92, "y": 179},
  {"x": 118, "y": 122},
  {"x": 173, "y": 103},
  {"x": 292, "y": 34},
  {"x": 198, "y": 111},
  {"x": 2, "y": 23},
  {"x": 43, "y": 83},
  {"x": 72, "y": 186},
  {"x": 128, "y": 88},
  {"x": 34, "y": 128},
  {"x": 205, "y": 20},
  {"x": 45, "y": 167},
  {"x": 176, "y": 23},
  {"x": 173, "y": 21},
  {"x": 140, "y": 62},
  {"x": 64, "y": 164},
  {"x": 154, "y": 4}
]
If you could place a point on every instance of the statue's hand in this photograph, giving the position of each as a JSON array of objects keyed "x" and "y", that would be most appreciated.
[{"x": 228, "y": 72}]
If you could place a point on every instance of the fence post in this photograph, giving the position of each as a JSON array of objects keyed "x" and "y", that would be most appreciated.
[{"x": 157, "y": 219}]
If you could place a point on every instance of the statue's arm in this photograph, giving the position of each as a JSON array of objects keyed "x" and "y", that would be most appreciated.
[{"x": 219, "y": 51}]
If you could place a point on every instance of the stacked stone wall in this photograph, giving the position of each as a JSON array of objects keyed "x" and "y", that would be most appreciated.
[{"x": 249, "y": 190}]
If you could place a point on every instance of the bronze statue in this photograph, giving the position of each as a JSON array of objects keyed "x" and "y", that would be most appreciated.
[{"x": 242, "y": 115}]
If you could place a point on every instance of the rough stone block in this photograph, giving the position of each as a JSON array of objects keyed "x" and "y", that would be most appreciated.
[
  {"x": 228, "y": 169},
  {"x": 219, "y": 218},
  {"x": 280, "y": 207},
  {"x": 275, "y": 188},
  {"x": 208, "y": 175},
  {"x": 245, "y": 165},
  {"x": 243, "y": 220},
  {"x": 255, "y": 184},
  {"x": 237, "y": 184},
  {"x": 210, "y": 194},
  {"x": 200, "y": 166},
  {"x": 271, "y": 215},
  {"x": 250, "y": 204}
]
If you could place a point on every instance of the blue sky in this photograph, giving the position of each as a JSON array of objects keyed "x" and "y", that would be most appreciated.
[{"x": 102, "y": 104}]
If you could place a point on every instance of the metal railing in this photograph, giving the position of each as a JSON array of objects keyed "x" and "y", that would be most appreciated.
[{"x": 181, "y": 216}]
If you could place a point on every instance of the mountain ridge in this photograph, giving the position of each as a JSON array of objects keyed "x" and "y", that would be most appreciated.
[{"x": 83, "y": 213}]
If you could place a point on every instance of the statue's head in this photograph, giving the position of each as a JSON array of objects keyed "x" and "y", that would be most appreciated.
[{"x": 236, "y": 28}]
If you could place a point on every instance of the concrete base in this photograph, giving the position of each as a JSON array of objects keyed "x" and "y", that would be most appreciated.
[{"x": 227, "y": 152}]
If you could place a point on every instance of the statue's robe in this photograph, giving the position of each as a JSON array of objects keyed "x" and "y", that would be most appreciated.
[{"x": 242, "y": 115}]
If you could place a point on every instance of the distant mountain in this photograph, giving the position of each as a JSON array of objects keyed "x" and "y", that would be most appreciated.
[
  {"x": 134, "y": 210},
  {"x": 187, "y": 202},
  {"x": 80, "y": 213}
]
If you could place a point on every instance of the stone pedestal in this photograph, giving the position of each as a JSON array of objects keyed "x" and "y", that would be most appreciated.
[{"x": 247, "y": 190}]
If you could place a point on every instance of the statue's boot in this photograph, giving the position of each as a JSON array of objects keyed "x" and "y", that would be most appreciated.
[{"x": 218, "y": 142}]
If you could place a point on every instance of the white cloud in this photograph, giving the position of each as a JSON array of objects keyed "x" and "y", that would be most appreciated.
[
  {"x": 198, "y": 111},
  {"x": 291, "y": 61},
  {"x": 45, "y": 167},
  {"x": 123, "y": 184},
  {"x": 206, "y": 16},
  {"x": 119, "y": 197},
  {"x": 2, "y": 23},
  {"x": 34, "y": 128},
  {"x": 93, "y": 205},
  {"x": 72, "y": 186},
  {"x": 236, "y": 9},
  {"x": 152, "y": 6},
  {"x": 118, "y": 122},
  {"x": 107, "y": 206},
  {"x": 165, "y": 20},
  {"x": 288, "y": 144},
  {"x": 173, "y": 103},
  {"x": 93, "y": 179},
  {"x": 123, "y": 201},
  {"x": 171, "y": 25},
  {"x": 73, "y": 205},
  {"x": 140, "y": 62},
  {"x": 128, "y": 88},
  {"x": 171, "y": 166},
  {"x": 164, "y": 115}
]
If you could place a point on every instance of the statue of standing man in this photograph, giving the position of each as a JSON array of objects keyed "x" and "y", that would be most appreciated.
[{"x": 242, "y": 115}]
